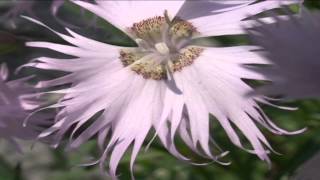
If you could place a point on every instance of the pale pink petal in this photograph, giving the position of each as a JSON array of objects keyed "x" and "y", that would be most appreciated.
[
  {"x": 231, "y": 22},
  {"x": 123, "y": 14}
]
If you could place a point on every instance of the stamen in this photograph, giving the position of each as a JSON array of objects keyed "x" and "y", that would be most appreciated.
[
  {"x": 186, "y": 58},
  {"x": 182, "y": 29},
  {"x": 152, "y": 28},
  {"x": 152, "y": 69},
  {"x": 160, "y": 42},
  {"x": 149, "y": 27}
]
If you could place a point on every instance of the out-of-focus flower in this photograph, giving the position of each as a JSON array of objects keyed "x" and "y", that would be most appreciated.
[
  {"x": 56, "y": 5},
  {"x": 309, "y": 169},
  {"x": 15, "y": 106},
  {"x": 293, "y": 47},
  {"x": 16, "y": 8},
  {"x": 166, "y": 82},
  {"x": 27, "y": 7}
]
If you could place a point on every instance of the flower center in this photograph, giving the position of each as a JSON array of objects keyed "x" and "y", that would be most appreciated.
[{"x": 162, "y": 47}]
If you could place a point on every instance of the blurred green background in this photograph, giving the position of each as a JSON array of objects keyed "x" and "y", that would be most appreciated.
[{"x": 43, "y": 163}]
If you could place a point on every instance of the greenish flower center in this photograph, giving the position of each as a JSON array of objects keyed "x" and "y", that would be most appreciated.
[{"x": 163, "y": 47}]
